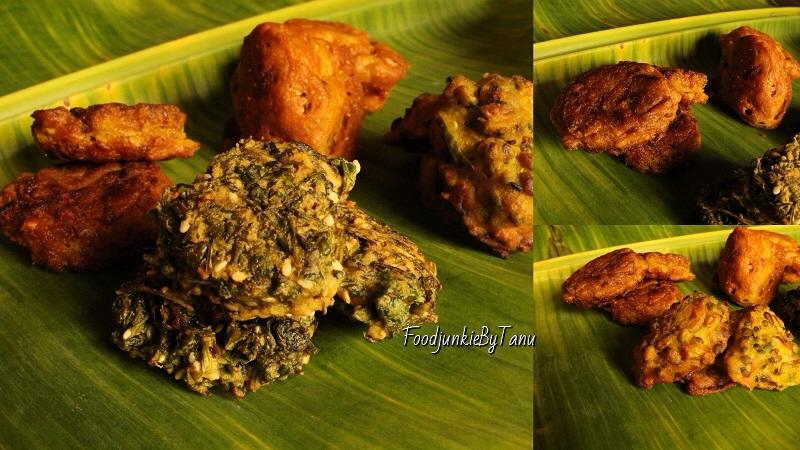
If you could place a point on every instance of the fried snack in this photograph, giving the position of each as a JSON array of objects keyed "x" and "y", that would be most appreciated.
[
  {"x": 647, "y": 301},
  {"x": 753, "y": 264},
  {"x": 756, "y": 76},
  {"x": 83, "y": 216},
  {"x": 762, "y": 353},
  {"x": 205, "y": 348},
  {"x": 667, "y": 266},
  {"x": 311, "y": 81},
  {"x": 709, "y": 380},
  {"x": 632, "y": 110},
  {"x": 477, "y": 161},
  {"x": 684, "y": 340},
  {"x": 257, "y": 231},
  {"x": 388, "y": 282},
  {"x": 113, "y": 132},
  {"x": 787, "y": 307}
]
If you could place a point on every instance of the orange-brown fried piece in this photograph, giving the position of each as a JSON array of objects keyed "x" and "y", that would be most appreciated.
[
  {"x": 667, "y": 266},
  {"x": 83, "y": 216},
  {"x": 709, "y": 380},
  {"x": 311, "y": 81},
  {"x": 756, "y": 76},
  {"x": 636, "y": 111},
  {"x": 753, "y": 264},
  {"x": 113, "y": 132},
  {"x": 649, "y": 300}
]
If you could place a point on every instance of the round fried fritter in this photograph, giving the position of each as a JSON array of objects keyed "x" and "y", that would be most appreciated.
[
  {"x": 388, "y": 284},
  {"x": 83, "y": 216},
  {"x": 667, "y": 266},
  {"x": 752, "y": 265},
  {"x": 756, "y": 76},
  {"x": 257, "y": 231},
  {"x": 604, "y": 278},
  {"x": 649, "y": 300},
  {"x": 762, "y": 353},
  {"x": 685, "y": 339}
]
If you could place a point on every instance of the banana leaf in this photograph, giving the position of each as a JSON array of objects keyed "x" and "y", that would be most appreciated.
[
  {"x": 62, "y": 382},
  {"x": 580, "y": 188},
  {"x": 584, "y": 394}
]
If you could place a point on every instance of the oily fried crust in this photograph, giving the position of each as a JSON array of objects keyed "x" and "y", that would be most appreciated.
[
  {"x": 311, "y": 81},
  {"x": 667, "y": 266},
  {"x": 604, "y": 278},
  {"x": 709, "y": 380},
  {"x": 83, "y": 216},
  {"x": 113, "y": 132},
  {"x": 753, "y": 264},
  {"x": 649, "y": 300},
  {"x": 667, "y": 150},
  {"x": 756, "y": 76}
]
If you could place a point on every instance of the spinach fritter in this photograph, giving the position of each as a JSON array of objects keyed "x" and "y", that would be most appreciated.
[
  {"x": 256, "y": 232},
  {"x": 388, "y": 283},
  {"x": 202, "y": 346}
]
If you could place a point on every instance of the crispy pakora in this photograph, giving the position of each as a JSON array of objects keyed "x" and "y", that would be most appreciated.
[
  {"x": 635, "y": 111},
  {"x": 204, "y": 347},
  {"x": 710, "y": 379},
  {"x": 388, "y": 284},
  {"x": 686, "y": 339},
  {"x": 256, "y": 232},
  {"x": 667, "y": 266},
  {"x": 311, "y": 81},
  {"x": 753, "y": 263},
  {"x": 762, "y": 353},
  {"x": 113, "y": 132},
  {"x": 647, "y": 301},
  {"x": 476, "y": 139},
  {"x": 756, "y": 76},
  {"x": 83, "y": 216}
]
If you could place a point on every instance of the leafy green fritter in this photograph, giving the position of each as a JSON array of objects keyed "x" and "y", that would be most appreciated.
[
  {"x": 204, "y": 347},
  {"x": 388, "y": 283},
  {"x": 256, "y": 232}
]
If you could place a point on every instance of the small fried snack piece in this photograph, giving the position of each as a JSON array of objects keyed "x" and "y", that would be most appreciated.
[
  {"x": 709, "y": 380},
  {"x": 684, "y": 340},
  {"x": 756, "y": 76},
  {"x": 649, "y": 300},
  {"x": 203, "y": 347},
  {"x": 762, "y": 353},
  {"x": 388, "y": 282},
  {"x": 753, "y": 264},
  {"x": 667, "y": 266},
  {"x": 311, "y": 81},
  {"x": 667, "y": 150},
  {"x": 476, "y": 167},
  {"x": 604, "y": 278},
  {"x": 83, "y": 216},
  {"x": 257, "y": 231},
  {"x": 113, "y": 132}
]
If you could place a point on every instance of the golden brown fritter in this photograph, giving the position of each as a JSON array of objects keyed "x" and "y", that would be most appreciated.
[
  {"x": 113, "y": 132},
  {"x": 684, "y": 340},
  {"x": 83, "y": 216},
  {"x": 649, "y": 300},
  {"x": 666, "y": 150},
  {"x": 762, "y": 353},
  {"x": 667, "y": 266},
  {"x": 753, "y": 264},
  {"x": 476, "y": 169},
  {"x": 311, "y": 81},
  {"x": 604, "y": 278},
  {"x": 756, "y": 76}
]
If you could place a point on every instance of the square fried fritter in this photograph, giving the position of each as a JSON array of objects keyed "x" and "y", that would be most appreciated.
[
  {"x": 113, "y": 132},
  {"x": 311, "y": 81},
  {"x": 83, "y": 216}
]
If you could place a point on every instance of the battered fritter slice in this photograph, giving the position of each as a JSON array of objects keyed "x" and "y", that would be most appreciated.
[
  {"x": 762, "y": 353},
  {"x": 257, "y": 231},
  {"x": 667, "y": 266},
  {"x": 604, "y": 278},
  {"x": 647, "y": 301},
  {"x": 753, "y": 264},
  {"x": 205, "y": 348},
  {"x": 83, "y": 216},
  {"x": 113, "y": 132},
  {"x": 311, "y": 81},
  {"x": 684, "y": 340},
  {"x": 388, "y": 284},
  {"x": 615, "y": 107},
  {"x": 476, "y": 167},
  {"x": 666, "y": 150},
  {"x": 756, "y": 76}
]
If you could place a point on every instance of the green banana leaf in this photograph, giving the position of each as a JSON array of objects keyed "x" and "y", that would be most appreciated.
[
  {"x": 584, "y": 395},
  {"x": 62, "y": 382},
  {"x": 580, "y": 188}
]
